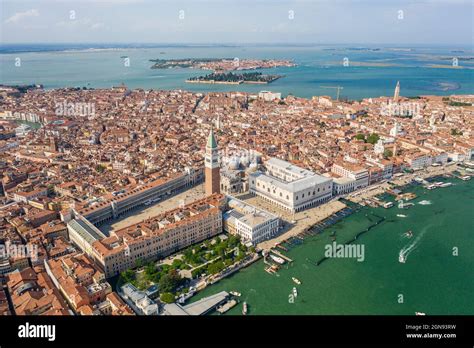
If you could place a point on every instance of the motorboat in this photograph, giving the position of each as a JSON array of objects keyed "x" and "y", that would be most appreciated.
[
  {"x": 401, "y": 258},
  {"x": 245, "y": 308},
  {"x": 277, "y": 259},
  {"x": 296, "y": 280}
]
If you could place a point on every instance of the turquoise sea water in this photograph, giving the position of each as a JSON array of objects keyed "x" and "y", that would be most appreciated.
[
  {"x": 317, "y": 66},
  {"x": 432, "y": 280}
]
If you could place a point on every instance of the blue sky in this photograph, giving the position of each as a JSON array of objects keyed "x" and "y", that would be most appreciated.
[{"x": 445, "y": 22}]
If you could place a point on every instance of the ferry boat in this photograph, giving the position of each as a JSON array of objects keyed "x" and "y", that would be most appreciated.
[
  {"x": 295, "y": 292},
  {"x": 296, "y": 280},
  {"x": 245, "y": 308},
  {"x": 277, "y": 259}
]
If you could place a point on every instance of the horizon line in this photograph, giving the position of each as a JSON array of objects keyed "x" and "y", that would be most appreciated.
[{"x": 235, "y": 43}]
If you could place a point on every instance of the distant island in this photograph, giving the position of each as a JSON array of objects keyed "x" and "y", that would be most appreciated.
[
  {"x": 234, "y": 79},
  {"x": 220, "y": 64}
]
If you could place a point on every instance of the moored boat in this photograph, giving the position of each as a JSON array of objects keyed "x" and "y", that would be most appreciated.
[
  {"x": 446, "y": 184},
  {"x": 277, "y": 259}
]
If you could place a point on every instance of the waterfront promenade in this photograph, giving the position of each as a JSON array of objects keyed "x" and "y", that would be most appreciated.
[
  {"x": 377, "y": 189},
  {"x": 297, "y": 223}
]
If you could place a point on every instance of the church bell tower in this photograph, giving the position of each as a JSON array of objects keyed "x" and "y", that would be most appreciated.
[{"x": 212, "y": 170}]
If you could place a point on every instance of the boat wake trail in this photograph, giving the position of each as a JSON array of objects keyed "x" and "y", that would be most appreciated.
[
  {"x": 424, "y": 202},
  {"x": 407, "y": 250}
]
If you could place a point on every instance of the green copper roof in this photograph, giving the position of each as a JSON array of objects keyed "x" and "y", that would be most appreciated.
[{"x": 211, "y": 140}]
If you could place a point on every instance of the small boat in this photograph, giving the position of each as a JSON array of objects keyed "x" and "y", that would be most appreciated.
[
  {"x": 409, "y": 234},
  {"x": 295, "y": 292},
  {"x": 446, "y": 184},
  {"x": 420, "y": 313},
  {"x": 235, "y": 293},
  {"x": 245, "y": 308},
  {"x": 401, "y": 258},
  {"x": 401, "y": 215},
  {"x": 403, "y": 205},
  {"x": 277, "y": 259},
  {"x": 296, "y": 280}
]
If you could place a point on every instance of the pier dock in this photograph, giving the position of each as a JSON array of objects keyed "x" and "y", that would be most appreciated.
[
  {"x": 304, "y": 220},
  {"x": 277, "y": 253}
]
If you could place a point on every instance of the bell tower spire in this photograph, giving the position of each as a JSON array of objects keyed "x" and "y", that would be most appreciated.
[{"x": 212, "y": 169}]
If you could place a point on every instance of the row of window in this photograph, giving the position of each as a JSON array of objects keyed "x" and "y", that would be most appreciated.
[{"x": 287, "y": 196}]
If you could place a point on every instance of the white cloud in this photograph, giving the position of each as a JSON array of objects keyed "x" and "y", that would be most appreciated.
[
  {"x": 22, "y": 15},
  {"x": 84, "y": 23},
  {"x": 98, "y": 26},
  {"x": 75, "y": 22}
]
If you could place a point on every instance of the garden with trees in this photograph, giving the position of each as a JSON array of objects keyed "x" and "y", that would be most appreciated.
[{"x": 207, "y": 258}]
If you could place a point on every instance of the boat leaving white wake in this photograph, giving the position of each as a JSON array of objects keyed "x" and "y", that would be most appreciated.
[
  {"x": 407, "y": 250},
  {"x": 424, "y": 202}
]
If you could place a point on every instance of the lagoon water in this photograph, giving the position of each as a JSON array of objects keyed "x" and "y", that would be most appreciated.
[
  {"x": 432, "y": 280},
  {"x": 317, "y": 66}
]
